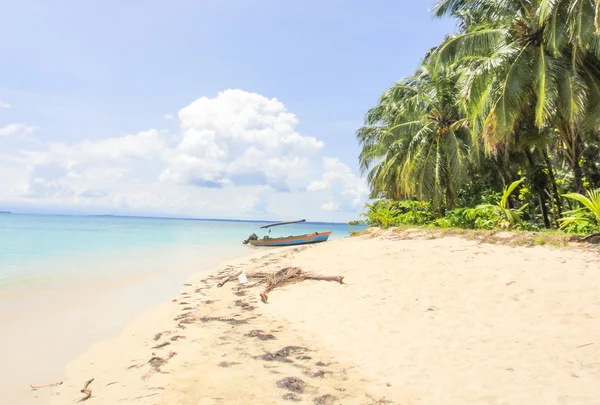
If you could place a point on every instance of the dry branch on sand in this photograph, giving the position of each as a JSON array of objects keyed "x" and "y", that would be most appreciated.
[
  {"x": 280, "y": 278},
  {"x": 39, "y": 387},
  {"x": 85, "y": 390}
]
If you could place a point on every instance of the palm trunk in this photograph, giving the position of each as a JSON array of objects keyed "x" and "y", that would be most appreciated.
[
  {"x": 576, "y": 167},
  {"x": 540, "y": 191},
  {"x": 555, "y": 193},
  {"x": 544, "y": 210},
  {"x": 449, "y": 196},
  {"x": 578, "y": 175}
]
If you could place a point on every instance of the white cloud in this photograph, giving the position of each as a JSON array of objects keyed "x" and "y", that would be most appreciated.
[
  {"x": 40, "y": 188},
  {"x": 239, "y": 138},
  {"x": 169, "y": 116},
  {"x": 236, "y": 155},
  {"x": 143, "y": 145},
  {"x": 347, "y": 191},
  {"x": 4, "y": 105},
  {"x": 330, "y": 206},
  {"x": 18, "y": 131}
]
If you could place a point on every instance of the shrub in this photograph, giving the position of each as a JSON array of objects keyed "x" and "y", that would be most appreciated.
[
  {"x": 585, "y": 219},
  {"x": 385, "y": 213}
]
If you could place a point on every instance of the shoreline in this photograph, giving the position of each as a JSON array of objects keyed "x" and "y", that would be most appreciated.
[
  {"x": 53, "y": 325},
  {"x": 472, "y": 323},
  {"x": 228, "y": 310}
]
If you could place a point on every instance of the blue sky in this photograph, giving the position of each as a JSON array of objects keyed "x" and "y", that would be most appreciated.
[{"x": 78, "y": 77}]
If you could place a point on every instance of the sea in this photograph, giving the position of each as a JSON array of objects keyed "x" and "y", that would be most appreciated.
[{"x": 69, "y": 281}]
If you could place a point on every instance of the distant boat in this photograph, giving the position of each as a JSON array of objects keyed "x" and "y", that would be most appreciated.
[{"x": 316, "y": 237}]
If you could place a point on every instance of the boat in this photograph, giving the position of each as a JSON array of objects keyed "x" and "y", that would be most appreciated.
[{"x": 291, "y": 240}]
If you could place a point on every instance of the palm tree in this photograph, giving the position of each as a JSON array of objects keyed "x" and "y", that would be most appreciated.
[
  {"x": 382, "y": 149},
  {"x": 520, "y": 56},
  {"x": 416, "y": 142}
]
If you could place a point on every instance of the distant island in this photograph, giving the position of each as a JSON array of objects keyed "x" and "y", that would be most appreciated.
[{"x": 5, "y": 212}]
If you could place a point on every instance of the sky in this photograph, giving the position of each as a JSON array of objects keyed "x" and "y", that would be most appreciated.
[{"x": 197, "y": 108}]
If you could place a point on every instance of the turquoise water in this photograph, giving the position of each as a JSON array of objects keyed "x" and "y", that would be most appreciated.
[
  {"x": 32, "y": 247},
  {"x": 69, "y": 281}
]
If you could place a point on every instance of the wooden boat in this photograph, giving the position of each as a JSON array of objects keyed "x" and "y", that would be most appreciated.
[{"x": 267, "y": 240}]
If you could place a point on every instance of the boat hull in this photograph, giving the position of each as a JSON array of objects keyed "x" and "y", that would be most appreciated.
[{"x": 316, "y": 237}]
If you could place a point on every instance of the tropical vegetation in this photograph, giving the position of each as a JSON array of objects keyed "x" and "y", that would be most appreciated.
[{"x": 500, "y": 125}]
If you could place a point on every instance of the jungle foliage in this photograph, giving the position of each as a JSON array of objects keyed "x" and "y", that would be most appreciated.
[{"x": 498, "y": 128}]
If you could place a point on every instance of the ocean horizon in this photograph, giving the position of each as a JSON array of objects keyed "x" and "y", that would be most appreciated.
[
  {"x": 155, "y": 216},
  {"x": 27, "y": 238}
]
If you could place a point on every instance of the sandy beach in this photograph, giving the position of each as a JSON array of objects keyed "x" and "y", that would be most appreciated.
[{"x": 417, "y": 321}]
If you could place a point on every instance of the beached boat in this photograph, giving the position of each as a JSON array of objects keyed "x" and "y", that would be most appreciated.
[{"x": 267, "y": 240}]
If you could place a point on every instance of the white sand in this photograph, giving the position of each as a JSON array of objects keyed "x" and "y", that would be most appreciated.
[{"x": 444, "y": 321}]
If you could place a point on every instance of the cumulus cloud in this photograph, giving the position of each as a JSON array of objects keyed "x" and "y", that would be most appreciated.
[
  {"x": 346, "y": 190},
  {"x": 18, "y": 131},
  {"x": 240, "y": 139},
  {"x": 92, "y": 162},
  {"x": 236, "y": 154}
]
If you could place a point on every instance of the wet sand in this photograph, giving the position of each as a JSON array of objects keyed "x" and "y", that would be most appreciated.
[{"x": 47, "y": 325}]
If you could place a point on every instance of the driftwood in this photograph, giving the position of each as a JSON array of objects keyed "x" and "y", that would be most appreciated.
[
  {"x": 228, "y": 278},
  {"x": 282, "y": 277},
  {"x": 38, "y": 387},
  {"x": 85, "y": 390}
]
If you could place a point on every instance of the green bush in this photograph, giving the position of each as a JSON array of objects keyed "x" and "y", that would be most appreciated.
[
  {"x": 581, "y": 228},
  {"x": 457, "y": 218},
  {"x": 356, "y": 222},
  {"x": 586, "y": 218},
  {"x": 385, "y": 213},
  {"x": 409, "y": 212}
]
